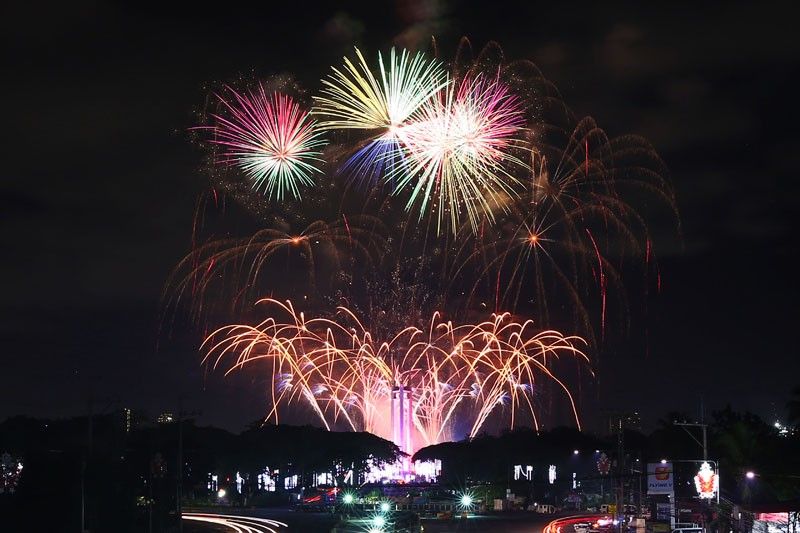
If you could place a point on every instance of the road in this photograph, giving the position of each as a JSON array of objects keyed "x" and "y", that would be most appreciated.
[
  {"x": 288, "y": 521},
  {"x": 275, "y": 521},
  {"x": 565, "y": 524},
  {"x": 243, "y": 524}
]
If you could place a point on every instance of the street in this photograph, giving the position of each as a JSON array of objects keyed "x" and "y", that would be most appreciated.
[{"x": 273, "y": 520}]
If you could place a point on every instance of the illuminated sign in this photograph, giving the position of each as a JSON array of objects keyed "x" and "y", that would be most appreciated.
[
  {"x": 659, "y": 478},
  {"x": 706, "y": 482}
]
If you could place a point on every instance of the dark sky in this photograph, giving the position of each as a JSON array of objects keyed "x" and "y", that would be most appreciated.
[{"x": 99, "y": 181}]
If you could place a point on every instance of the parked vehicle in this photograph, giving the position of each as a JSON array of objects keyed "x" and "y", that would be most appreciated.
[{"x": 687, "y": 527}]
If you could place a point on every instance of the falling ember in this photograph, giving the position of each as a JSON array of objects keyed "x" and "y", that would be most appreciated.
[
  {"x": 446, "y": 376},
  {"x": 602, "y": 285}
]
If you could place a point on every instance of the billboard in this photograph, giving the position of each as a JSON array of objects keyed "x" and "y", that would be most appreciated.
[{"x": 659, "y": 478}]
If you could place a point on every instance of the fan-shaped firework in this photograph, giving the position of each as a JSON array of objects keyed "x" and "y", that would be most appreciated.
[
  {"x": 344, "y": 374},
  {"x": 271, "y": 139}
]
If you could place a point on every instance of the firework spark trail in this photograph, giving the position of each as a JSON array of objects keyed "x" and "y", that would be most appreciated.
[
  {"x": 271, "y": 139},
  {"x": 602, "y": 282},
  {"x": 343, "y": 373},
  {"x": 244, "y": 261}
]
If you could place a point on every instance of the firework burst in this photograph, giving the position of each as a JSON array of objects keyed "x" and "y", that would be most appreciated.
[
  {"x": 572, "y": 231},
  {"x": 336, "y": 367},
  {"x": 271, "y": 139},
  {"x": 458, "y": 150},
  {"x": 491, "y": 195},
  {"x": 355, "y": 99}
]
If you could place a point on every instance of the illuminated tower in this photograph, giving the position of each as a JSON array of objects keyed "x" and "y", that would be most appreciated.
[{"x": 401, "y": 418}]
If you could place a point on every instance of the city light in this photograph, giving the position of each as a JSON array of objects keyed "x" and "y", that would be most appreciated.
[
  {"x": 750, "y": 474},
  {"x": 385, "y": 507},
  {"x": 466, "y": 500},
  {"x": 347, "y": 498},
  {"x": 575, "y": 452},
  {"x": 221, "y": 493},
  {"x": 663, "y": 461},
  {"x": 378, "y": 521}
]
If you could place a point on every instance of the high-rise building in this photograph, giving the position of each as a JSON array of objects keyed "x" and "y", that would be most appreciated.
[
  {"x": 626, "y": 420},
  {"x": 130, "y": 419}
]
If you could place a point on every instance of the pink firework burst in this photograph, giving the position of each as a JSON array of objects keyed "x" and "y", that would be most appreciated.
[
  {"x": 271, "y": 139},
  {"x": 458, "y": 150}
]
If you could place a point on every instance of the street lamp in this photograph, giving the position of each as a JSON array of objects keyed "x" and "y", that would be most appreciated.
[
  {"x": 575, "y": 452},
  {"x": 750, "y": 474}
]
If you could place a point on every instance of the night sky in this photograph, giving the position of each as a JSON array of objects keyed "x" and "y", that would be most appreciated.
[{"x": 100, "y": 182}]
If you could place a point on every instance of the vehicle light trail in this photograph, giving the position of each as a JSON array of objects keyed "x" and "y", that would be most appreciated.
[
  {"x": 557, "y": 525},
  {"x": 240, "y": 524}
]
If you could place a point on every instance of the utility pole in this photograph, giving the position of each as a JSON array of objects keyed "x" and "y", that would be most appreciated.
[
  {"x": 179, "y": 484},
  {"x": 179, "y": 470},
  {"x": 704, "y": 428},
  {"x": 85, "y": 462},
  {"x": 621, "y": 473}
]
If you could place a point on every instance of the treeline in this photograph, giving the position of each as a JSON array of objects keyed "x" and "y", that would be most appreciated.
[
  {"x": 739, "y": 442},
  {"x": 127, "y": 477}
]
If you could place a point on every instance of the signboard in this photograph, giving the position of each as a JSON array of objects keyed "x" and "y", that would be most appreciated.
[
  {"x": 659, "y": 478},
  {"x": 706, "y": 482},
  {"x": 663, "y": 512}
]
